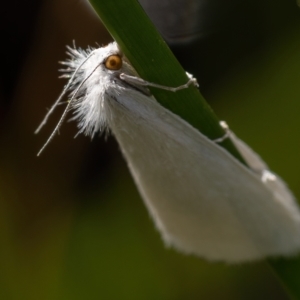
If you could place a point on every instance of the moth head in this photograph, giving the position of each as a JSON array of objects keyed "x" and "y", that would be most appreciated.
[{"x": 88, "y": 72}]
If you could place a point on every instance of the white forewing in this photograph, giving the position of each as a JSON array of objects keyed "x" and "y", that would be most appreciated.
[{"x": 202, "y": 200}]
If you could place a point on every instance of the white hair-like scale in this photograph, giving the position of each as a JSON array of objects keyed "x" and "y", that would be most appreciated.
[{"x": 89, "y": 82}]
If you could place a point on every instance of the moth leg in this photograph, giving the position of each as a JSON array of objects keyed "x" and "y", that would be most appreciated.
[
  {"x": 140, "y": 81},
  {"x": 252, "y": 159},
  {"x": 267, "y": 176},
  {"x": 226, "y": 135}
]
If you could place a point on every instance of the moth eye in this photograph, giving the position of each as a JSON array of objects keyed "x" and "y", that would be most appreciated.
[{"x": 113, "y": 62}]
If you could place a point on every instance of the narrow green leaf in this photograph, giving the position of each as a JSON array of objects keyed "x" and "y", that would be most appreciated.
[
  {"x": 150, "y": 56},
  {"x": 153, "y": 60}
]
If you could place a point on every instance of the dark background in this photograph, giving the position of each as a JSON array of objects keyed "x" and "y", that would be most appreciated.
[{"x": 72, "y": 225}]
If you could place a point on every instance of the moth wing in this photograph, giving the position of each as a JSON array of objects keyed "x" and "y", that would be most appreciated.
[
  {"x": 255, "y": 162},
  {"x": 202, "y": 200}
]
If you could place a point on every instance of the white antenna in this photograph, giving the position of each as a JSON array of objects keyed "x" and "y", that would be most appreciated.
[
  {"x": 61, "y": 95},
  {"x": 69, "y": 103}
]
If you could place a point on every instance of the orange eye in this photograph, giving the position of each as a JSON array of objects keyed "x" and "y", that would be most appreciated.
[{"x": 113, "y": 62}]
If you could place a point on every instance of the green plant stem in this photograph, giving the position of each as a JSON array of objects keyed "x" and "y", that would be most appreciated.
[
  {"x": 153, "y": 60},
  {"x": 150, "y": 56}
]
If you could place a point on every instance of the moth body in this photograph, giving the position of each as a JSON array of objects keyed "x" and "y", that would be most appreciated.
[{"x": 202, "y": 200}]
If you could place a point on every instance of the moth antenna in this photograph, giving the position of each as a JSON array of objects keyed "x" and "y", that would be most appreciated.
[
  {"x": 62, "y": 94},
  {"x": 56, "y": 129}
]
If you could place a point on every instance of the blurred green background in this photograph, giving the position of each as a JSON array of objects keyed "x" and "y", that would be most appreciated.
[{"x": 72, "y": 224}]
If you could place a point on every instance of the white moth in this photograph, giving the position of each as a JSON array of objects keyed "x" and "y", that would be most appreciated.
[{"x": 202, "y": 200}]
